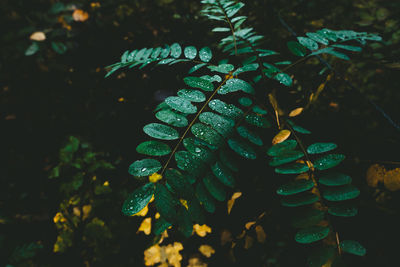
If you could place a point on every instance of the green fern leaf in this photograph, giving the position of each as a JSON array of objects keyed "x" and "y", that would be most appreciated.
[
  {"x": 160, "y": 226},
  {"x": 137, "y": 200},
  {"x": 295, "y": 168},
  {"x": 257, "y": 120},
  {"x": 297, "y": 49},
  {"x": 176, "y": 50},
  {"x": 341, "y": 193},
  {"x": 223, "y": 174},
  {"x": 312, "y": 234},
  {"x": 172, "y": 118},
  {"x": 282, "y": 148},
  {"x": 153, "y": 148},
  {"x": 242, "y": 148},
  {"x": 198, "y": 150},
  {"x": 286, "y": 157},
  {"x": 179, "y": 184},
  {"x": 308, "y": 43},
  {"x": 200, "y": 83},
  {"x": 205, "y": 54},
  {"x": 192, "y": 95},
  {"x": 207, "y": 134},
  {"x": 353, "y": 247},
  {"x": 190, "y": 52},
  {"x": 307, "y": 217},
  {"x": 328, "y": 161},
  {"x": 234, "y": 85},
  {"x": 295, "y": 187},
  {"x": 249, "y": 135},
  {"x": 165, "y": 203},
  {"x": 222, "y": 125},
  {"x": 160, "y": 131},
  {"x": 335, "y": 179},
  {"x": 144, "y": 167},
  {"x": 343, "y": 211},
  {"x": 181, "y": 104},
  {"x": 228, "y": 110},
  {"x": 214, "y": 187},
  {"x": 205, "y": 198},
  {"x": 320, "y": 148},
  {"x": 299, "y": 200}
]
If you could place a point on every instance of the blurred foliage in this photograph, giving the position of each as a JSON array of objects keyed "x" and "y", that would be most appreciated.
[{"x": 62, "y": 207}]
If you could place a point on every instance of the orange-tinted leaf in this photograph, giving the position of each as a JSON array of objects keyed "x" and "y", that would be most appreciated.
[
  {"x": 202, "y": 230},
  {"x": 145, "y": 226},
  {"x": 392, "y": 179},
  {"x": 375, "y": 174},
  {"x": 248, "y": 242},
  {"x": 80, "y": 15},
  {"x": 232, "y": 200},
  {"x": 261, "y": 236},
  {"x": 249, "y": 225}
]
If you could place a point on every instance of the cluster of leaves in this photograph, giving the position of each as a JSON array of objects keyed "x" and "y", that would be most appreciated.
[
  {"x": 80, "y": 185},
  {"x": 210, "y": 127}
]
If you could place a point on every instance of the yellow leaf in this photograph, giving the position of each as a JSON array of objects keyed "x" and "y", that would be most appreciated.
[
  {"x": 296, "y": 112},
  {"x": 157, "y": 215},
  {"x": 184, "y": 203},
  {"x": 143, "y": 212},
  {"x": 86, "y": 209},
  {"x": 280, "y": 137},
  {"x": 76, "y": 211},
  {"x": 249, "y": 225},
  {"x": 145, "y": 226},
  {"x": 206, "y": 250},
  {"x": 57, "y": 217},
  {"x": 106, "y": 183},
  {"x": 152, "y": 255},
  {"x": 38, "y": 36},
  {"x": 248, "y": 242},
  {"x": 232, "y": 201},
  {"x": 173, "y": 256},
  {"x": 196, "y": 262},
  {"x": 375, "y": 174},
  {"x": 261, "y": 236},
  {"x": 392, "y": 179},
  {"x": 95, "y": 4},
  {"x": 155, "y": 177},
  {"x": 80, "y": 15},
  {"x": 202, "y": 230}
]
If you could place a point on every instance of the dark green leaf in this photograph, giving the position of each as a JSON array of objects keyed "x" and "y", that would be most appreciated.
[
  {"x": 219, "y": 123},
  {"x": 197, "y": 67},
  {"x": 207, "y": 134},
  {"x": 59, "y": 47},
  {"x": 222, "y": 68},
  {"x": 318, "y": 38},
  {"x": 353, "y": 247},
  {"x": 246, "y": 68},
  {"x": 137, "y": 200},
  {"x": 205, "y": 198},
  {"x": 176, "y": 50},
  {"x": 242, "y": 148},
  {"x": 195, "y": 211},
  {"x": 172, "y": 118},
  {"x": 297, "y": 49},
  {"x": 286, "y": 157},
  {"x": 249, "y": 135},
  {"x": 257, "y": 120},
  {"x": 153, "y": 148},
  {"x": 282, "y": 147},
  {"x": 306, "y": 217},
  {"x": 179, "y": 184},
  {"x": 320, "y": 148},
  {"x": 308, "y": 43},
  {"x": 160, "y": 226},
  {"x": 197, "y": 82},
  {"x": 215, "y": 188},
  {"x": 228, "y": 160},
  {"x": 205, "y": 54},
  {"x": 198, "y": 150},
  {"x": 185, "y": 225},
  {"x": 284, "y": 79},
  {"x": 228, "y": 110},
  {"x": 233, "y": 85},
  {"x": 328, "y": 161},
  {"x": 299, "y": 200},
  {"x": 223, "y": 174},
  {"x": 192, "y": 95},
  {"x": 343, "y": 211},
  {"x": 165, "y": 203},
  {"x": 189, "y": 162},
  {"x": 32, "y": 49},
  {"x": 341, "y": 193},
  {"x": 295, "y": 187},
  {"x": 245, "y": 101},
  {"x": 160, "y": 131},
  {"x": 144, "y": 167},
  {"x": 335, "y": 179},
  {"x": 190, "y": 52},
  {"x": 348, "y": 47},
  {"x": 181, "y": 104},
  {"x": 295, "y": 168},
  {"x": 312, "y": 234}
]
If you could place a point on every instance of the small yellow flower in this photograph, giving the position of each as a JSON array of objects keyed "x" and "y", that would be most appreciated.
[{"x": 155, "y": 177}]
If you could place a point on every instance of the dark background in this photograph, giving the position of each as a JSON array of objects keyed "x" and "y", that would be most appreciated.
[{"x": 47, "y": 97}]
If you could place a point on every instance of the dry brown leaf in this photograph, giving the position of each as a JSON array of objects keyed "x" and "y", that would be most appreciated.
[
  {"x": 206, "y": 250},
  {"x": 38, "y": 36},
  {"x": 226, "y": 237},
  {"x": 248, "y": 242},
  {"x": 261, "y": 235},
  {"x": 231, "y": 202},
  {"x": 145, "y": 226},
  {"x": 296, "y": 112},
  {"x": 280, "y": 137},
  {"x": 392, "y": 179},
  {"x": 202, "y": 230},
  {"x": 249, "y": 225},
  {"x": 375, "y": 174},
  {"x": 80, "y": 15}
]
